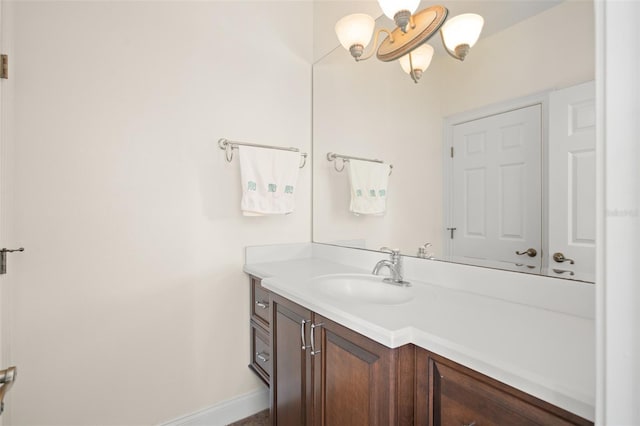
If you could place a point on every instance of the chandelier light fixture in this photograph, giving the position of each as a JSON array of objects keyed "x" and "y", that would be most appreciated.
[{"x": 407, "y": 42}]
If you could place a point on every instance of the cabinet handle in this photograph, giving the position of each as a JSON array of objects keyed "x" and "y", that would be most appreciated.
[
  {"x": 313, "y": 339},
  {"x": 262, "y": 356},
  {"x": 262, "y": 304},
  {"x": 304, "y": 343},
  {"x": 470, "y": 424}
]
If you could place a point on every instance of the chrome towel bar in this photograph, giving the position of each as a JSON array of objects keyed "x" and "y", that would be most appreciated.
[
  {"x": 228, "y": 146},
  {"x": 332, "y": 156}
]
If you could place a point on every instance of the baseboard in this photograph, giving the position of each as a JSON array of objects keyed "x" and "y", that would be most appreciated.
[{"x": 226, "y": 412}]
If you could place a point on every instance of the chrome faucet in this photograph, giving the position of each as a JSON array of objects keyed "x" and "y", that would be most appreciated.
[{"x": 394, "y": 264}]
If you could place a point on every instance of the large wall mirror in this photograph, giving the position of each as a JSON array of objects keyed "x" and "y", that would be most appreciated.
[{"x": 519, "y": 115}]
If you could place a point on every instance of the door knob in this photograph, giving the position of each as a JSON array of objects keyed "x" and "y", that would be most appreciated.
[
  {"x": 7, "y": 377},
  {"x": 3, "y": 258},
  {"x": 531, "y": 252},
  {"x": 559, "y": 257}
]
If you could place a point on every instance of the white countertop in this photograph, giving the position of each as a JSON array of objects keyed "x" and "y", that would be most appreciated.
[{"x": 546, "y": 353}]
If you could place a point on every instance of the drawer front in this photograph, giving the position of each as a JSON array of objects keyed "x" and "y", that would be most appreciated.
[
  {"x": 260, "y": 352},
  {"x": 460, "y": 399},
  {"x": 260, "y": 303}
]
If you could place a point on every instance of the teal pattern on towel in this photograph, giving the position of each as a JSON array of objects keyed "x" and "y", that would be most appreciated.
[
  {"x": 251, "y": 186},
  {"x": 288, "y": 189},
  {"x": 273, "y": 187}
]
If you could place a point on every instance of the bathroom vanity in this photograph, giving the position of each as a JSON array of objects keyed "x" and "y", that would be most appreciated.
[{"x": 447, "y": 355}]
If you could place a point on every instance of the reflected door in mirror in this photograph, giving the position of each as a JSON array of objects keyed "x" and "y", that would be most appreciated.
[
  {"x": 496, "y": 185},
  {"x": 572, "y": 179}
]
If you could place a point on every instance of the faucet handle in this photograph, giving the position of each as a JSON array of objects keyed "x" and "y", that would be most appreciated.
[
  {"x": 385, "y": 249},
  {"x": 422, "y": 251}
]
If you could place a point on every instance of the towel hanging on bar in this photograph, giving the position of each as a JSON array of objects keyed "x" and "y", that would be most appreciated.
[
  {"x": 228, "y": 146},
  {"x": 332, "y": 156}
]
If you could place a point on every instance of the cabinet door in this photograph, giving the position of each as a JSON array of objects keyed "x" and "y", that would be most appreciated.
[
  {"x": 291, "y": 378},
  {"x": 355, "y": 380},
  {"x": 460, "y": 396}
]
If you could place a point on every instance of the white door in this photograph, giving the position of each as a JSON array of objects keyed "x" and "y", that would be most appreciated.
[
  {"x": 7, "y": 374},
  {"x": 572, "y": 180},
  {"x": 496, "y": 200}
]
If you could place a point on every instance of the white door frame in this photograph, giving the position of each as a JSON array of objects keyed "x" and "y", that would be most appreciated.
[
  {"x": 618, "y": 213},
  {"x": 542, "y": 99}
]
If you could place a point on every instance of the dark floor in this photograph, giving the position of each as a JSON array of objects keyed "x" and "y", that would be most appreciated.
[{"x": 258, "y": 419}]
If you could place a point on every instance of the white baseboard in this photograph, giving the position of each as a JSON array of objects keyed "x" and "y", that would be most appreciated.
[{"x": 226, "y": 412}]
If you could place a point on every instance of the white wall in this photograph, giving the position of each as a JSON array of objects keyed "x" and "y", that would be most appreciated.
[{"x": 130, "y": 305}]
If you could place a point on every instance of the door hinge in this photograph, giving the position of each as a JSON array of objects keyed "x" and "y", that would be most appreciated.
[
  {"x": 451, "y": 230},
  {"x": 451, "y": 152},
  {"x": 4, "y": 66}
]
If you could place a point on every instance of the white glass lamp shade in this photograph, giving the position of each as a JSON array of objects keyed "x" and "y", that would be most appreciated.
[
  {"x": 355, "y": 29},
  {"x": 421, "y": 58},
  {"x": 391, "y": 7},
  {"x": 462, "y": 29}
]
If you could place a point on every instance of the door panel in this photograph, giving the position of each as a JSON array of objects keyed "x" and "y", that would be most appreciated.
[
  {"x": 572, "y": 167},
  {"x": 291, "y": 395},
  {"x": 353, "y": 382},
  {"x": 497, "y": 186}
]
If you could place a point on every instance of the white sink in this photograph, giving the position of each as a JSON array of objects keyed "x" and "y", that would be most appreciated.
[{"x": 362, "y": 288}]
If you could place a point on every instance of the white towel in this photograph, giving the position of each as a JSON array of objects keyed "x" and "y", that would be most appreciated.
[
  {"x": 369, "y": 183},
  {"x": 269, "y": 178}
]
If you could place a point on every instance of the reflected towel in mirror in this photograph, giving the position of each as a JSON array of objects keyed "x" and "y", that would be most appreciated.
[{"x": 369, "y": 186}]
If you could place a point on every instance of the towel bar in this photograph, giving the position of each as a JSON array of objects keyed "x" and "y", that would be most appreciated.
[
  {"x": 332, "y": 156},
  {"x": 228, "y": 147}
]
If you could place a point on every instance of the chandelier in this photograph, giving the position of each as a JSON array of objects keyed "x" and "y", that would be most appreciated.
[{"x": 407, "y": 42}]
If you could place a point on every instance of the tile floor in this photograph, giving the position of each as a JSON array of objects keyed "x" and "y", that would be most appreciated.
[{"x": 258, "y": 419}]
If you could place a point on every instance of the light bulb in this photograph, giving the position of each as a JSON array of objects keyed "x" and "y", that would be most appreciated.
[
  {"x": 460, "y": 33},
  {"x": 391, "y": 7},
  {"x": 399, "y": 10},
  {"x": 354, "y": 32},
  {"x": 421, "y": 58}
]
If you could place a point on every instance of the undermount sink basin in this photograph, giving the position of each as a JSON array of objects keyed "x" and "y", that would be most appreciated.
[{"x": 362, "y": 288}]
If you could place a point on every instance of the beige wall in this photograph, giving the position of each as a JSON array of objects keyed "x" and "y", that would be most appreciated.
[
  {"x": 551, "y": 50},
  {"x": 129, "y": 305},
  {"x": 372, "y": 109}
]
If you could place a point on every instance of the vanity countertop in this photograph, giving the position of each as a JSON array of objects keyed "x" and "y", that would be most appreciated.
[{"x": 546, "y": 353}]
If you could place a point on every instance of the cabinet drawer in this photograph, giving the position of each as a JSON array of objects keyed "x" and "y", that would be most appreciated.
[
  {"x": 260, "y": 303},
  {"x": 260, "y": 352},
  {"x": 460, "y": 399}
]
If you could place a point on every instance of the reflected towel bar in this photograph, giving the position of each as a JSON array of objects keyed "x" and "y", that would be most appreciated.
[
  {"x": 228, "y": 146},
  {"x": 332, "y": 156}
]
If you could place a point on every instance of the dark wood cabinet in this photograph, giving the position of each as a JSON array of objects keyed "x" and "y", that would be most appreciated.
[
  {"x": 457, "y": 395},
  {"x": 322, "y": 373},
  {"x": 327, "y": 374},
  {"x": 291, "y": 402},
  {"x": 356, "y": 380},
  {"x": 260, "y": 335}
]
